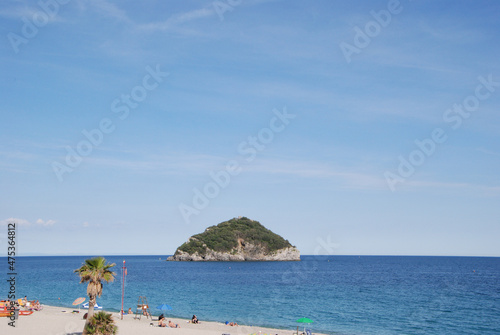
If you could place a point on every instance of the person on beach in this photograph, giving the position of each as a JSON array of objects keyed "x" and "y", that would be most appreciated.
[
  {"x": 172, "y": 325},
  {"x": 36, "y": 305},
  {"x": 194, "y": 319},
  {"x": 26, "y": 303},
  {"x": 161, "y": 321},
  {"x": 130, "y": 311}
]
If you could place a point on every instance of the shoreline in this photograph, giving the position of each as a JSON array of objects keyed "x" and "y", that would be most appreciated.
[{"x": 61, "y": 320}]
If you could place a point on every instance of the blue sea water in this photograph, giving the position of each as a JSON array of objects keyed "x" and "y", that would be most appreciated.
[{"x": 341, "y": 294}]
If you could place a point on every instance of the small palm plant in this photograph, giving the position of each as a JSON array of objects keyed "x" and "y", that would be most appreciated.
[
  {"x": 101, "y": 323},
  {"x": 94, "y": 271}
]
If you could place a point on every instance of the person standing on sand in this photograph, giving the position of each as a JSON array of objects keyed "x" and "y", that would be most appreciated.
[{"x": 26, "y": 302}]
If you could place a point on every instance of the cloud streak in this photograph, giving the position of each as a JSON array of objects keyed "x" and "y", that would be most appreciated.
[
  {"x": 17, "y": 221},
  {"x": 47, "y": 223},
  {"x": 26, "y": 223},
  {"x": 176, "y": 20}
]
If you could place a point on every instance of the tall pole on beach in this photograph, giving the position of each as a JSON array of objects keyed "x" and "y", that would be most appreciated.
[{"x": 124, "y": 272}]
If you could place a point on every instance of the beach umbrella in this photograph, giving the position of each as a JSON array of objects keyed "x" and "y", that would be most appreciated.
[
  {"x": 303, "y": 320},
  {"x": 78, "y": 302},
  {"x": 164, "y": 307},
  {"x": 96, "y": 306}
]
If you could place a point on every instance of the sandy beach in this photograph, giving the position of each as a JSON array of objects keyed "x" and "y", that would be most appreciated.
[{"x": 61, "y": 321}]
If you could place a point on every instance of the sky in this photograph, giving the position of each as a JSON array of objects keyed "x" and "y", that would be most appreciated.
[{"x": 347, "y": 127}]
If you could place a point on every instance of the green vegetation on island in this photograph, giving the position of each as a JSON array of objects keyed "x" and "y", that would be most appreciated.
[{"x": 229, "y": 235}]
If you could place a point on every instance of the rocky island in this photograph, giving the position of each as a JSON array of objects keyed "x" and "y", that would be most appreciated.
[{"x": 239, "y": 239}]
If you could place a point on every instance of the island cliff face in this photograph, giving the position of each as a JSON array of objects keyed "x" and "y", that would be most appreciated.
[{"x": 239, "y": 239}]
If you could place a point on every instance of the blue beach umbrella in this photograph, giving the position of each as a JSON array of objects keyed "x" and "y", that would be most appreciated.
[
  {"x": 164, "y": 307},
  {"x": 96, "y": 306}
]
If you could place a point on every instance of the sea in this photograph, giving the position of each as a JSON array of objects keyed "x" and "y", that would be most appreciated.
[{"x": 340, "y": 294}]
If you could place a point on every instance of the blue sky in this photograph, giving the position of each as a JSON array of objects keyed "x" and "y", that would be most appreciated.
[{"x": 321, "y": 142}]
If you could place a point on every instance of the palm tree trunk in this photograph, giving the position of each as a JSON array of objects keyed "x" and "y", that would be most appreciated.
[
  {"x": 90, "y": 313},
  {"x": 91, "y": 307}
]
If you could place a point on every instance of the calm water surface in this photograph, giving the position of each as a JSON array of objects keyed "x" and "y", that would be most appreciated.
[{"x": 342, "y": 294}]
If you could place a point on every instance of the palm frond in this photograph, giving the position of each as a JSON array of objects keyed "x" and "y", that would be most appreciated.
[{"x": 94, "y": 271}]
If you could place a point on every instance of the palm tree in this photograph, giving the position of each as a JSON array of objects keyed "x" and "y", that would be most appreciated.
[
  {"x": 93, "y": 271},
  {"x": 101, "y": 324}
]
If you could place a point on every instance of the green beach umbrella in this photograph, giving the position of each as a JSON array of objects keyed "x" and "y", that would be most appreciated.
[{"x": 304, "y": 320}]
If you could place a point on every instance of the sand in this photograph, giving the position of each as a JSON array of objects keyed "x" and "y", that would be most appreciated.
[{"x": 61, "y": 321}]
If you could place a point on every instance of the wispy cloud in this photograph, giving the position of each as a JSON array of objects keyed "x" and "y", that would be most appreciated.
[
  {"x": 349, "y": 177},
  {"x": 17, "y": 221},
  {"x": 17, "y": 155},
  {"x": 17, "y": 12},
  {"x": 20, "y": 160},
  {"x": 202, "y": 164},
  {"x": 359, "y": 178},
  {"x": 111, "y": 10},
  {"x": 169, "y": 163},
  {"x": 488, "y": 152},
  {"x": 172, "y": 22},
  {"x": 178, "y": 19},
  {"x": 45, "y": 223},
  {"x": 26, "y": 223},
  {"x": 452, "y": 32},
  {"x": 486, "y": 190}
]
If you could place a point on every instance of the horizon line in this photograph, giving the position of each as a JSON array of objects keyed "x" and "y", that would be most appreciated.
[{"x": 308, "y": 255}]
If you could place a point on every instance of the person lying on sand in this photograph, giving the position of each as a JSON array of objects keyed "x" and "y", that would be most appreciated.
[
  {"x": 172, "y": 325},
  {"x": 35, "y": 304},
  {"x": 231, "y": 324}
]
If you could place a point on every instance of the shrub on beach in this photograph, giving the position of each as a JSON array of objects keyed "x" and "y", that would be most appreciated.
[{"x": 101, "y": 324}]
